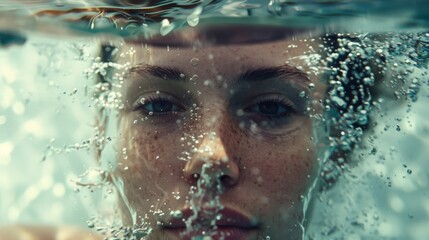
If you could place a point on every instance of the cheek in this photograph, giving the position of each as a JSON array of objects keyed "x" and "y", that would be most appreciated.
[
  {"x": 283, "y": 170},
  {"x": 145, "y": 157}
]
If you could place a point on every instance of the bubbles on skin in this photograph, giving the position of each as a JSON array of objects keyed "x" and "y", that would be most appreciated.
[
  {"x": 194, "y": 79},
  {"x": 205, "y": 204},
  {"x": 349, "y": 121},
  {"x": 194, "y": 62}
]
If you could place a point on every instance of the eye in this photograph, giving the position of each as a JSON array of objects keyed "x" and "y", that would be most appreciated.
[
  {"x": 271, "y": 106},
  {"x": 159, "y": 105},
  {"x": 268, "y": 108}
]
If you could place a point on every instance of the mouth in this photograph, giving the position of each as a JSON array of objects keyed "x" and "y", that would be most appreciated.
[{"x": 231, "y": 225}]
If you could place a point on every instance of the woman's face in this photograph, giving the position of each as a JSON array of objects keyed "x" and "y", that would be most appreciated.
[{"x": 242, "y": 112}]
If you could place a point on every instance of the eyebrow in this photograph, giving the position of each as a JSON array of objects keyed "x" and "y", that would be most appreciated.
[
  {"x": 251, "y": 75},
  {"x": 166, "y": 73},
  {"x": 283, "y": 71}
]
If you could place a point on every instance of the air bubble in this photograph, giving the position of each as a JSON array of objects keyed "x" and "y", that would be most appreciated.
[
  {"x": 176, "y": 214},
  {"x": 194, "y": 62},
  {"x": 194, "y": 78},
  {"x": 422, "y": 46},
  {"x": 338, "y": 101},
  {"x": 101, "y": 22},
  {"x": 194, "y": 18},
  {"x": 90, "y": 224},
  {"x": 207, "y": 83},
  {"x": 166, "y": 27}
]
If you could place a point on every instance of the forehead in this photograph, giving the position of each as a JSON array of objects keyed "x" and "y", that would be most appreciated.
[{"x": 227, "y": 59}]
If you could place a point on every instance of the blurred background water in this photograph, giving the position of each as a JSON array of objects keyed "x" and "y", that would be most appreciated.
[
  {"x": 46, "y": 114},
  {"x": 42, "y": 93}
]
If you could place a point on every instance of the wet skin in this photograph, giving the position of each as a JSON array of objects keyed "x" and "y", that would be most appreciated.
[{"x": 245, "y": 109}]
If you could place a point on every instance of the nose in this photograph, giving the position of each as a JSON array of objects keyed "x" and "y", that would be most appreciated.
[{"x": 211, "y": 158}]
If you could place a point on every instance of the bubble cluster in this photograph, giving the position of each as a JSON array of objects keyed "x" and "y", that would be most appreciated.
[{"x": 205, "y": 203}]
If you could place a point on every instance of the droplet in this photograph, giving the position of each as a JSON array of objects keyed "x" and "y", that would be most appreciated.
[
  {"x": 194, "y": 18},
  {"x": 166, "y": 27},
  {"x": 193, "y": 78},
  {"x": 194, "y": 62},
  {"x": 176, "y": 214},
  {"x": 207, "y": 82},
  {"x": 91, "y": 224},
  {"x": 340, "y": 102},
  {"x": 73, "y": 92}
]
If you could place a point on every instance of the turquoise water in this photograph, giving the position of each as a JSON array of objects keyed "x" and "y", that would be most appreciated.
[{"x": 46, "y": 115}]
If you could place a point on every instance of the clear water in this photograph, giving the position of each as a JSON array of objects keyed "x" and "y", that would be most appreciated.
[{"x": 48, "y": 60}]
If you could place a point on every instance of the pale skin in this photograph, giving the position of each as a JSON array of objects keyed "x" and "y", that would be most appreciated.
[{"x": 255, "y": 127}]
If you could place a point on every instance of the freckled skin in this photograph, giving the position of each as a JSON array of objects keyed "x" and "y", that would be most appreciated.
[{"x": 285, "y": 159}]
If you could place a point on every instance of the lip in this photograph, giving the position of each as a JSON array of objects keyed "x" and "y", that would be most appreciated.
[{"x": 233, "y": 225}]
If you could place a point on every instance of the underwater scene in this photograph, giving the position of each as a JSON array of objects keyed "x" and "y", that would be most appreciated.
[{"x": 214, "y": 119}]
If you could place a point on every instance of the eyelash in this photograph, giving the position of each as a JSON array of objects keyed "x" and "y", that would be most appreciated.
[
  {"x": 252, "y": 109},
  {"x": 289, "y": 107},
  {"x": 158, "y": 98}
]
